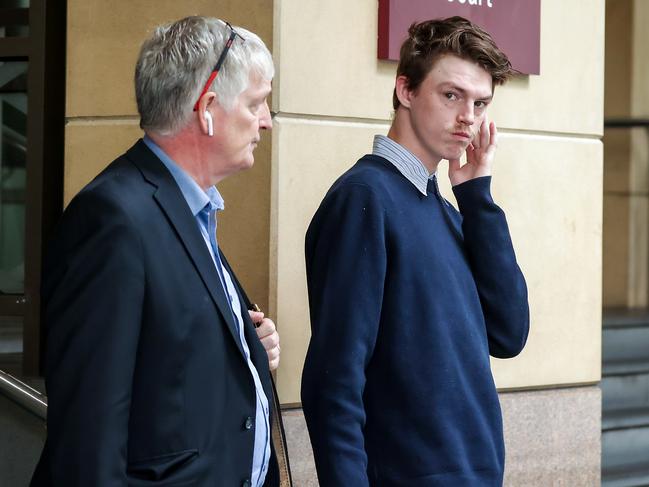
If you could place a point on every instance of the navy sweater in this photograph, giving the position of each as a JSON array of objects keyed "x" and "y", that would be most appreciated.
[{"x": 408, "y": 298}]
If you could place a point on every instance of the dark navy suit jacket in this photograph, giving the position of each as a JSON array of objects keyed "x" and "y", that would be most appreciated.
[{"x": 146, "y": 380}]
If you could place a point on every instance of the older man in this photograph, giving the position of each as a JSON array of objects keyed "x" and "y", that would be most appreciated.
[
  {"x": 410, "y": 294},
  {"x": 154, "y": 370}
]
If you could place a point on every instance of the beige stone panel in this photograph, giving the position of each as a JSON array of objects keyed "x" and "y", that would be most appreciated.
[
  {"x": 640, "y": 68},
  {"x": 618, "y": 51},
  {"x": 568, "y": 95},
  {"x": 104, "y": 39},
  {"x": 553, "y": 200},
  {"x": 639, "y": 160},
  {"x": 615, "y": 261},
  {"x": 638, "y": 264},
  {"x": 327, "y": 58},
  {"x": 243, "y": 225},
  {"x": 90, "y": 146},
  {"x": 328, "y": 66},
  {"x": 560, "y": 251},
  {"x": 617, "y": 160},
  {"x": 554, "y": 208},
  {"x": 551, "y": 189},
  {"x": 307, "y": 157}
]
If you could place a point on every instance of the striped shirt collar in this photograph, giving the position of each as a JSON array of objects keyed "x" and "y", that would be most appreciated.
[{"x": 405, "y": 161}]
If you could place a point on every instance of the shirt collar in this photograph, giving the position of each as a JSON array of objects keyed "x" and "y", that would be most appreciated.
[
  {"x": 196, "y": 198},
  {"x": 405, "y": 161}
]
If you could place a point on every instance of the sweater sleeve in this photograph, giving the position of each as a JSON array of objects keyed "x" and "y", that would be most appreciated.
[
  {"x": 346, "y": 265},
  {"x": 500, "y": 282}
]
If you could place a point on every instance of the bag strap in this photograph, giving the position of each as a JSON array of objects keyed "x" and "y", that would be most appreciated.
[{"x": 278, "y": 433}]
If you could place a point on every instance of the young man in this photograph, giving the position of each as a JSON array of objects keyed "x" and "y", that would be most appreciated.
[
  {"x": 410, "y": 297},
  {"x": 155, "y": 373}
]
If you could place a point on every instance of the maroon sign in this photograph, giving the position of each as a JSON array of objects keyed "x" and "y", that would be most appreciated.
[{"x": 515, "y": 25}]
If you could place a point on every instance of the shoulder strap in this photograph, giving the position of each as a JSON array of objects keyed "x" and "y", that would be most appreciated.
[{"x": 277, "y": 426}]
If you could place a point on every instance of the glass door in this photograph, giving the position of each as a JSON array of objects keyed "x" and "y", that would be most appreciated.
[{"x": 32, "y": 89}]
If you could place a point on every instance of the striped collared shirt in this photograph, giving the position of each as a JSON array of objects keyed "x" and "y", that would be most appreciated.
[{"x": 405, "y": 161}]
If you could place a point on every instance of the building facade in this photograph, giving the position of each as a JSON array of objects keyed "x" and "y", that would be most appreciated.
[{"x": 332, "y": 94}]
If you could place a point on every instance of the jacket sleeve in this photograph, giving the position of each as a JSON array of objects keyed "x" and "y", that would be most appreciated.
[
  {"x": 500, "y": 282},
  {"x": 346, "y": 265},
  {"x": 93, "y": 290}
]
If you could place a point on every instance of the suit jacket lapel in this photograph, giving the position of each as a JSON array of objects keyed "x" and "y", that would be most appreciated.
[
  {"x": 257, "y": 353},
  {"x": 280, "y": 470},
  {"x": 170, "y": 199}
]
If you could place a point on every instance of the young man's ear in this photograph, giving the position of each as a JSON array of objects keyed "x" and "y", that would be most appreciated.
[{"x": 401, "y": 88}]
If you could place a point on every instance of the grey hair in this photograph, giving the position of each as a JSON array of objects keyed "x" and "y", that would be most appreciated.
[{"x": 176, "y": 62}]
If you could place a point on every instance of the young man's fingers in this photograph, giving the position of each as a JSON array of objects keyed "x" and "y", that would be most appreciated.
[
  {"x": 485, "y": 132},
  {"x": 493, "y": 132},
  {"x": 471, "y": 155}
]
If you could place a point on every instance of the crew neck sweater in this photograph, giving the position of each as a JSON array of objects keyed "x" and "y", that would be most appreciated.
[{"x": 408, "y": 299}]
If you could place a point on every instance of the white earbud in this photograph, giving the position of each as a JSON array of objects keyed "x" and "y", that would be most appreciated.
[{"x": 210, "y": 126}]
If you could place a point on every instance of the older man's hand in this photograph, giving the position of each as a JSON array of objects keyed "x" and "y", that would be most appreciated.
[{"x": 267, "y": 333}]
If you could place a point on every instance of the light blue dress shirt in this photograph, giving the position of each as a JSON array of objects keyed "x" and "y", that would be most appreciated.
[{"x": 198, "y": 200}]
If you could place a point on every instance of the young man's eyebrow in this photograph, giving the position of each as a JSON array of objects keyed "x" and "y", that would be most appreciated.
[{"x": 454, "y": 87}]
